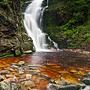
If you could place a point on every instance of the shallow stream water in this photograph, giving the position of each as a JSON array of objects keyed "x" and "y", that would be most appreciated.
[{"x": 61, "y": 66}]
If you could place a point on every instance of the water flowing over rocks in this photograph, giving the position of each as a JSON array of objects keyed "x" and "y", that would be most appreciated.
[{"x": 33, "y": 22}]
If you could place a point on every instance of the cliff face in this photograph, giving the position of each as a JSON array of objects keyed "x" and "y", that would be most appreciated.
[
  {"x": 67, "y": 23},
  {"x": 7, "y": 28},
  {"x": 12, "y": 32}
]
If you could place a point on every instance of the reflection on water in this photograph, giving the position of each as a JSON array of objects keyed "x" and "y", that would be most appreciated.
[{"x": 63, "y": 58}]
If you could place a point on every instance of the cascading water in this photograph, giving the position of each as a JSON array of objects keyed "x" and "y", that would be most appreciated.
[{"x": 32, "y": 22}]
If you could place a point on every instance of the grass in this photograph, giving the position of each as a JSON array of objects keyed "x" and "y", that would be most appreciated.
[{"x": 6, "y": 55}]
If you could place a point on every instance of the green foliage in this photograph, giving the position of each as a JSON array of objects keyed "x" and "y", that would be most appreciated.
[{"x": 68, "y": 22}]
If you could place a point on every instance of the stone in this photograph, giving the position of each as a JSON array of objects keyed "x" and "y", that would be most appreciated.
[
  {"x": 28, "y": 76},
  {"x": 70, "y": 87},
  {"x": 42, "y": 84},
  {"x": 14, "y": 66},
  {"x": 60, "y": 82},
  {"x": 86, "y": 88},
  {"x": 64, "y": 87},
  {"x": 52, "y": 87},
  {"x": 87, "y": 76},
  {"x": 1, "y": 78},
  {"x": 9, "y": 76},
  {"x": 21, "y": 63},
  {"x": 10, "y": 69},
  {"x": 27, "y": 85},
  {"x": 3, "y": 72},
  {"x": 15, "y": 86},
  {"x": 5, "y": 86},
  {"x": 20, "y": 70},
  {"x": 86, "y": 81}
]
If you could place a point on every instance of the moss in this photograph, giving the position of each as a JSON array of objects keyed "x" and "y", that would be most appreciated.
[
  {"x": 67, "y": 21},
  {"x": 12, "y": 32},
  {"x": 6, "y": 55}
]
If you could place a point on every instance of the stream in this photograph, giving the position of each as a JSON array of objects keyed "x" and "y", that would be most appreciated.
[{"x": 61, "y": 70}]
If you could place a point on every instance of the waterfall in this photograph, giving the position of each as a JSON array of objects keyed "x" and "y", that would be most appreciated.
[{"x": 32, "y": 22}]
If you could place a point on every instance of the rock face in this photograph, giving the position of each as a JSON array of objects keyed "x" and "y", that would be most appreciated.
[
  {"x": 7, "y": 30},
  {"x": 12, "y": 33}
]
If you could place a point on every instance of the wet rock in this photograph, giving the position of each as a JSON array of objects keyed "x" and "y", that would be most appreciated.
[
  {"x": 10, "y": 69},
  {"x": 14, "y": 65},
  {"x": 27, "y": 85},
  {"x": 64, "y": 87},
  {"x": 3, "y": 72},
  {"x": 70, "y": 87},
  {"x": 1, "y": 78},
  {"x": 15, "y": 86},
  {"x": 28, "y": 76},
  {"x": 42, "y": 84},
  {"x": 28, "y": 52},
  {"x": 20, "y": 70},
  {"x": 9, "y": 76},
  {"x": 5, "y": 86},
  {"x": 52, "y": 87},
  {"x": 87, "y": 76},
  {"x": 21, "y": 63},
  {"x": 86, "y": 81},
  {"x": 86, "y": 88},
  {"x": 23, "y": 76},
  {"x": 60, "y": 82}
]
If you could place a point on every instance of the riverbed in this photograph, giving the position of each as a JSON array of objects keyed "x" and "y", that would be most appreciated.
[{"x": 59, "y": 70}]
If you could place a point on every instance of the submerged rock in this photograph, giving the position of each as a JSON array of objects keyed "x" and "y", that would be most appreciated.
[
  {"x": 86, "y": 81},
  {"x": 1, "y": 78},
  {"x": 27, "y": 85},
  {"x": 52, "y": 87},
  {"x": 86, "y": 88},
  {"x": 64, "y": 87},
  {"x": 70, "y": 87},
  {"x": 3, "y": 72},
  {"x": 21, "y": 63},
  {"x": 4, "y": 85}
]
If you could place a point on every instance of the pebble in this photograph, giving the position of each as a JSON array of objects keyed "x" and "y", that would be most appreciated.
[
  {"x": 28, "y": 76},
  {"x": 86, "y": 81},
  {"x": 27, "y": 85},
  {"x": 52, "y": 87},
  {"x": 66, "y": 87},
  {"x": 1, "y": 78},
  {"x": 3, "y": 72},
  {"x": 14, "y": 66},
  {"x": 10, "y": 69},
  {"x": 86, "y": 88},
  {"x": 9, "y": 76},
  {"x": 5, "y": 85},
  {"x": 21, "y": 70},
  {"x": 21, "y": 63}
]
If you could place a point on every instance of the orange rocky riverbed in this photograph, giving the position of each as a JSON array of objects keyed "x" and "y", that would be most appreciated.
[{"x": 37, "y": 71}]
